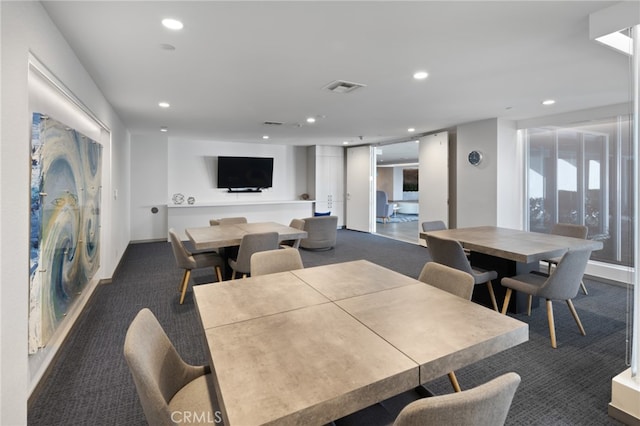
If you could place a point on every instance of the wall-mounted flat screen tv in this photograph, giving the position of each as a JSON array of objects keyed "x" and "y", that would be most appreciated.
[{"x": 245, "y": 172}]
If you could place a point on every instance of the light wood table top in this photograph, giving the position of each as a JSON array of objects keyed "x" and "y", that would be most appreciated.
[
  {"x": 440, "y": 332},
  {"x": 512, "y": 244},
  {"x": 349, "y": 279},
  {"x": 283, "y": 352},
  {"x": 211, "y": 237}
]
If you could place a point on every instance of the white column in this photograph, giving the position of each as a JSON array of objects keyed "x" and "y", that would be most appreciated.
[{"x": 625, "y": 387}]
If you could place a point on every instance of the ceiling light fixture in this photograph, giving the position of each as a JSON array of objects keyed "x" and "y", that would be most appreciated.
[
  {"x": 172, "y": 24},
  {"x": 618, "y": 41},
  {"x": 164, "y": 104},
  {"x": 164, "y": 129},
  {"x": 610, "y": 26},
  {"x": 548, "y": 102},
  {"x": 411, "y": 129},
  {"x": 345, "y": 142},
  {"x": 420, "y": 75},
  {"x": 265, "y": 137},
  {"x": 311, "y": 120}
]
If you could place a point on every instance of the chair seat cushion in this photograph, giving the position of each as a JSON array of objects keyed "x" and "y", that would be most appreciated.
[
  {"x": 526, "y": 283},
  {"x": 207, "y": 259},
  {"x": 195, "y": 402}
]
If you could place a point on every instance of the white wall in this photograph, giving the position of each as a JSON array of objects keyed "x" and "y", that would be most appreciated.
[
  {"x": 477, "y": 185},
  {"x": 433, "y": 177},
  {"x": 149, "y": 180},
  {"x": 25, "y": 28},
  {"x": 510, "y": 182},
  {"x": 193, "y": 172},
  {"x": 166, "y": 166}
]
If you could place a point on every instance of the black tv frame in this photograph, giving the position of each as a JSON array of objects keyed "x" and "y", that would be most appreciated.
[{"x": 251, "y": 161}]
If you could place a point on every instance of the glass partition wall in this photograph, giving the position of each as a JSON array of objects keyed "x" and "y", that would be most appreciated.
[{"x": 583, "y": 175}]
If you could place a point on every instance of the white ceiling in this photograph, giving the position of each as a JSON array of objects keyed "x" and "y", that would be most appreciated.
[{"x": 238, "y": 64}]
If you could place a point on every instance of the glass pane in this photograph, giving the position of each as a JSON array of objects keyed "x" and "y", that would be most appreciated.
[
  {"x": 567, "y": 180},
  {"x": 584, "y": 175},
  {"x": 541, "y": 174}
]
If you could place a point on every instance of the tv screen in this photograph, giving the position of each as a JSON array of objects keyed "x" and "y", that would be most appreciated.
[{"x": 245, "y": 172}]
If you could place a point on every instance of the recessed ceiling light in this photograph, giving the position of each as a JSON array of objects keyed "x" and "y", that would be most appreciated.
[
  {"x": 311, "y": 120},
  {"x": 265, "y": 137},
  {"x": 420, "y": 75},
  {"x": 411, "y": 129},
  {"x": 164, "y": 129},
  {"x": 548, "y": 102},
  {"x": 172, "y": 24},
  {"x": 164, "y": 104},
  {"x": 345, "y": 142}
]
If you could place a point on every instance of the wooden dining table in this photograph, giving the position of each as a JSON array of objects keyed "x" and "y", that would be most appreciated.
[
  {"x": 214, "y": 237},
  {"x": 316, "y": 344},
  {"x": 510, "y": 252}
]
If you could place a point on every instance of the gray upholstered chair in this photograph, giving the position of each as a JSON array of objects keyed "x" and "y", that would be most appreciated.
[
  {"x": 189, "y": 261},
  {"x": 568, "y": 230},
  {"x": 250, "y": 244},
  {"x": 438, "y": 225},
  {"x": 322, "y": 232},
  {"x": 450, "y": 253},
  {"x": 227, "y": 221},
  {"x": 273, "y": 261},
  {"x": 484, "y": 405},
  {"x": 452, "y": 281},
  {"x": 383, "y": 208},
  {"x": 298, "y": 224},
  {"x": 563, "y": 284},
  {"x": 433, "y": 225},
  {"x": 164, "y": 382}
]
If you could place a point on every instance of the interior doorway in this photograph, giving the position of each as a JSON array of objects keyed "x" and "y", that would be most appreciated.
[{"x": 397, "y": 176}]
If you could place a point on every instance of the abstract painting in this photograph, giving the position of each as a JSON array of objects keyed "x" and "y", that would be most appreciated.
[{"x": 66, "y": 173}]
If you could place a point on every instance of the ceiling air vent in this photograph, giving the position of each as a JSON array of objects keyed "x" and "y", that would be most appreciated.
[
  {"x": 341, "y": 86},
  {"x": 273, "y": 123}
]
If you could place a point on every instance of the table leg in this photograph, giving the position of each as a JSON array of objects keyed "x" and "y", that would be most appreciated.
[{"x": 504, "y": 268}]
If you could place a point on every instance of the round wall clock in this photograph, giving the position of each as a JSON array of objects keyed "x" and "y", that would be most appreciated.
[{"x": 475, "y": 158}]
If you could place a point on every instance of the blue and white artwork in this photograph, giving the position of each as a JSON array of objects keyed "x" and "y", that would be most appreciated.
[{"x": 66, "y": 171}]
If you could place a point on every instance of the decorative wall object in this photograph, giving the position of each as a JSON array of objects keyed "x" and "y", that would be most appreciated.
[
  {"x": 66, "y": 173},
  {"x": 178, "y": 198}
]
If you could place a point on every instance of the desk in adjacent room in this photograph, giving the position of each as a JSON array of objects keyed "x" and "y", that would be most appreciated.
[{"x": 313, "y": 345}]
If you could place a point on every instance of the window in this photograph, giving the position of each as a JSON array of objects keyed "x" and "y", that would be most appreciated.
[{"x": 583, "y": 175}]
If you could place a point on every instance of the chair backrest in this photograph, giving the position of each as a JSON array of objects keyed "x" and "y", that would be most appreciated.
[
  {"x": 484, "y": 405},
  {"x": 448, "y": 252},
  {"x": 321, "y": 231},
  {"x": 184, "y": 259},
  {"x": 254, "y": 243},
  {"x": 298, "y": 224},
  {"x": 158, "y": 370},
  {"x": 382, "y": 206},
  {"x": 564, "y": 282},
  {"x": 448, "y": 279},
  {"x": 570, "y": 230},
  {"x": 231, "y": 220},
  {"x": 273, "y": 261},
  {"x": 433, "y": 225}
]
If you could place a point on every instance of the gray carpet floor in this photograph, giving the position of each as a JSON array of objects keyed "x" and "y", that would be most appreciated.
[{"x": 90, "y": 384}]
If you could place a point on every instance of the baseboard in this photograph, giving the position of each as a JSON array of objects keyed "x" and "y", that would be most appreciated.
[{"x": 622, "y": 416}]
